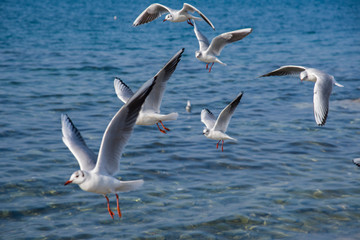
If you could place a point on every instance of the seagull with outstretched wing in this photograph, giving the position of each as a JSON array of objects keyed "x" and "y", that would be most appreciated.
[
  {"x": 216, "y": 128},
  {"x": 96, "y": 172},
  {"x": 150, "y": 111},
  {"x": 155, "y": 10},
  {"x": 208, "y": 52},
  {"x": 322, "y": 88}
]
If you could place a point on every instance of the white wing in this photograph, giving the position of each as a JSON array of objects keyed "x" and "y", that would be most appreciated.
[
  {"x": 76, "y": 144},
  {"x": 208, "y": 118},
  {"x": 322, "y": 92},
  {"x": 285, "y": 70},
  {"x": 151, "y": 13},
  {"x": 123, "y": 92},
  {"x": 223, "y": 120},
  {"x": 119, "y": 130},
  {"x": 203, "y": 41},
  {"x": 153, "y": 101},
  {"x": 189, "y": 8},
  {"x": 219, "y": 42}
]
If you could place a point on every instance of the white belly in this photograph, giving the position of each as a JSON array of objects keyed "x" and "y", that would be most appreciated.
[
  {"x": 179, "y": 18},
  {"x": 207, "y": 58},
  {"x": 147, "y": 119},
  {"x": 100, "y": 184},
  {"x": 217, "y": 135}
]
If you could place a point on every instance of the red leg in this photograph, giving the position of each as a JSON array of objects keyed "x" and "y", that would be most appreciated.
[
  {"x": 157, "y": 124},
  {"x": 207, "y": 66},
  {"x": 117, "y": 203},
  {"x": 108, "y": 206},
  {"x": 222, "y": 146},
  {"x": 164, "y": 126},
  {"x": 189, "y": 22},
  {"x": 217, "y": 145},
  {"x": 211, "y": 67}
]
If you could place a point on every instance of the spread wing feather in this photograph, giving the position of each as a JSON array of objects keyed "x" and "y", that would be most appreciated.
[
  {"x": 285, "y": 70},
  {"x": 208, "y": 118},
  {"x": 123, "y": 92},
  {"x": 189, "y": 8},
  {"x": 219, "y": 42},
  {"x": 151, "y": 13},
  {"x": 225, "y": 116},
  {"x": 153, "y": 101},
  {"x": 76, "y": 144}
]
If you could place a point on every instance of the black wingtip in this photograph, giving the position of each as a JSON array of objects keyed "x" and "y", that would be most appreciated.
[
  {"x": 240, "y": 95},
  {"x": 264, "y": 75},
  {"x": 236, "y": 101},
  {"x": 65, "y": 117},
  {"x": 207, "y": 110},
  {"x": 118, "y": 81},
  {"x": 323, "y": 120},
  {"x": 121, "y": 81},
  {"x": 172, "y": 63},
  {"x": 181, "y": 52}
]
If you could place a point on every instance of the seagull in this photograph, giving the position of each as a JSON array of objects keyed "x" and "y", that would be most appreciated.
[
  {"x": 188, "y": 106},
  {"x": 216, "y": 128},
  {"x": 208, "y": 52},
  {"x": 155, "y": 10},
  {"x": 322, "y": 89},
  {"x": 150, "y": 111},
  {"x": 96, "y": 172}
]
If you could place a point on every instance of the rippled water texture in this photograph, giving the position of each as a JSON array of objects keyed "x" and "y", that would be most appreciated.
[{"x": 285, "y": 177}]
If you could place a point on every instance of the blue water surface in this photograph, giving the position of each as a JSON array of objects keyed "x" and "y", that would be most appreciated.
[{"x": 285, "y": 177}]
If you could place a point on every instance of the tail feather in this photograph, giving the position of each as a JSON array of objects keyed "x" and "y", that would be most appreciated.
[
  {"x": 196, "y": 18},
  {"x": 127, "y": 186},
  {"x": 218, "y": 60},
  {"x": 170, "y": 117}
]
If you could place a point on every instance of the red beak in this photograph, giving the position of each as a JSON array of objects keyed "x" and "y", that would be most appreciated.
[
  {"x": 68, "y": 182},
  {"x": 164, "y": 20}
]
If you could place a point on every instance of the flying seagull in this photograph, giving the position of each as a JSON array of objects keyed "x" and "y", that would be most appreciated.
[
  {"x": 150, "y": 111},
  {"x": 322, "y": 89},
  {"x": 96, "y": 172},
  {"x": 216, "y": 128},
  {"x": 155, "y": 10},
  {"x": 208, "y": 52}
]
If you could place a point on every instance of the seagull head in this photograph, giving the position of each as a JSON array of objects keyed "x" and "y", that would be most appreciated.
[
  {"x": 77, "y": 177},
  {"x": 305, "y": 76},
  {"x": 168, "y": 17},
  {"x": 198, "y": 54},
  {"x": 206, "y": 131}
]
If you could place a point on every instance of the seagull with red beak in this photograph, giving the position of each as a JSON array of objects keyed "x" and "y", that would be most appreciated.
[
  {"x": 96, "y": 172},
  {"x": 156, "y": 10}
]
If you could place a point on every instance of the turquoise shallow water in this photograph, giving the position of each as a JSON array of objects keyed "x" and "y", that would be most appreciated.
[{"x": 284, "y": 178}]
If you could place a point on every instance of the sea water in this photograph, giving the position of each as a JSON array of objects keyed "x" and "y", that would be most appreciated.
[{"x": 285, "y": 177}]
